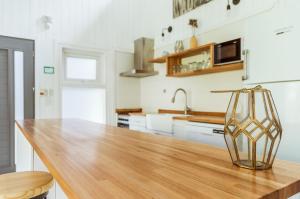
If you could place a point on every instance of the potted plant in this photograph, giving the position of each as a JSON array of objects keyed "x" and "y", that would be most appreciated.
[{"x": 193, "y": 41}]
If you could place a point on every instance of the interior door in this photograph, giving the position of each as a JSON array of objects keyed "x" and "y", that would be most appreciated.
[{"x": 16, "y": 93}]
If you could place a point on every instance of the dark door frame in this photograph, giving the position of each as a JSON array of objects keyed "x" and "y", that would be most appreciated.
[{"x": 15, "y": 46}]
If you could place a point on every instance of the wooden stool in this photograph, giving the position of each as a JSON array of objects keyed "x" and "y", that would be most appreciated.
[{"x": 25, "y": 185}]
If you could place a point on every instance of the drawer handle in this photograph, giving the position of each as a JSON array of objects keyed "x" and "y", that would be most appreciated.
[
  {"x": 246, "y": 75},
  {"x": 216, "y": 131}
]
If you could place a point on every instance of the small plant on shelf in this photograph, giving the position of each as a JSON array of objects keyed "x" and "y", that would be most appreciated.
[{"x": 193, "y": 41}]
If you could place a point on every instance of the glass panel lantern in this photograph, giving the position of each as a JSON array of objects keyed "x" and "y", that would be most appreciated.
[{"x": 252, "y": 128}]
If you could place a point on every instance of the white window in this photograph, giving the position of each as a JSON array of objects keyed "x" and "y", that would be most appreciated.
[
  {"x": 74, "y": 67},
  {"x": 83, "y": 69},
  {"x": 84, "y": 103},
  {"x": 83, "y": 89}
]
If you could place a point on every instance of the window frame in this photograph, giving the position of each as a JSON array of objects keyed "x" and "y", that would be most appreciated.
[{"x": 100, "y": 69}]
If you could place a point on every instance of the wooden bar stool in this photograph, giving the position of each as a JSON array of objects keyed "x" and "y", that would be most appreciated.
[{"x": 25, "y": 185}]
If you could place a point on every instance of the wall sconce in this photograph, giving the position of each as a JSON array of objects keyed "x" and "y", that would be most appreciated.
[
  {"x": 234, "y": 2},
  {"x": 228, "y": 5},
  {"x": 47, "y": 21},
  {"x": 168, "y": 29}
]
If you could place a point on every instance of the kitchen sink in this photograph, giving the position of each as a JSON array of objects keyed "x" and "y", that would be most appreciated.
[{"x": 161, "y": 122}]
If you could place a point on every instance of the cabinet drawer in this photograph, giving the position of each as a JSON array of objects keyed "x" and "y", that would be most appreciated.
[
  {"x": 206, "y": 133},
  {"x": 199, "y": 130},
  {"x": 137, "y": 121}
]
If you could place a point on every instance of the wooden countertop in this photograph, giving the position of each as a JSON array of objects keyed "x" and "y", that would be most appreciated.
[
  {"x": 202, "y": 119},
  {"x": 93, "y": 161},
  {"x": 138, "y": 114},
  {"x": 208, "y": 118},
  {"x": 126, "y": 111}
]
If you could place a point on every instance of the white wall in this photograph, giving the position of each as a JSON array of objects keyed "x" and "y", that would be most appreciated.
[
  {"x": 216, "y": 25},
  {"x": 114, "y": 24},
  {"x": 128, "y": 89},
  {"x": 95, "y": 24},
  {"x": 199, "y": 96},
  {"x": 210, "y": 16},
  {"x": 84, "y": 103}
]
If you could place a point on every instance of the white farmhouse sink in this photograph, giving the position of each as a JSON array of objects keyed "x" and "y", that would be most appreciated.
[{"x": 161, "y": 123}]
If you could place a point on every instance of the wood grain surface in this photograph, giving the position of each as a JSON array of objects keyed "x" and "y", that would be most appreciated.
[
  {"x": 193, "y": 112},
  {"x": 126, "y": 111},
  {"x": 214, "y": 69},
  {"x": 24, "y": 185},
  {"x": 202, "y": 119},
  {"x": 93, "y": 161}
]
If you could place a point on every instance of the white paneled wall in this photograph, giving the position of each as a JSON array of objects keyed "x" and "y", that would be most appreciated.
[
  {"x": 216, "y": 24},
  {"x": 97, "y": 24},
  {"x": 104, "y": 23},
  {"x": 128, "y": 89},
  {"x": 198, "y": 87},
  {"x": 210, "y": 16},
  {"x": 114, "y": 24}
]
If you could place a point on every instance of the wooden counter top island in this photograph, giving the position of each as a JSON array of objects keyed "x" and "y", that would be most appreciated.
[{"x": 93, "y": 161}]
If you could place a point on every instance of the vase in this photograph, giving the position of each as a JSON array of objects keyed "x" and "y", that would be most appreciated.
[
  {"x": 193, "y": 42},
  {"x": 179, "y": 46}
]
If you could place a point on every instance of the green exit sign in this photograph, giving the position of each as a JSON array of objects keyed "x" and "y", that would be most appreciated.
[{"x": 49, "y": 70}]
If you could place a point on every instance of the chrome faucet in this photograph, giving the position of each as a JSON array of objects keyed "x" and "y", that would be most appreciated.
[{"x": 186, "y": 108}]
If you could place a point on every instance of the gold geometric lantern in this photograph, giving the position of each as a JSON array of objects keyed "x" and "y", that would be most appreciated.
[{"x": 252, "y": 128}]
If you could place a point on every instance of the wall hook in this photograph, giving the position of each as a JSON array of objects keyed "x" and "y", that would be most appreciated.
[{"x": 168, "y": 29}]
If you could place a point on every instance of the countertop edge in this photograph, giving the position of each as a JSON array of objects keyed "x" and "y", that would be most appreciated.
[{"x": 58, "y": 177}]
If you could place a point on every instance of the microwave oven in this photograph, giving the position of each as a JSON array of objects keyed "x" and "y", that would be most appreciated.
[{"x": 227, "y": 52}]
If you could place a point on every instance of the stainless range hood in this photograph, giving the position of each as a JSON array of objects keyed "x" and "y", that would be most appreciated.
[{"x": 143, "y": 51}]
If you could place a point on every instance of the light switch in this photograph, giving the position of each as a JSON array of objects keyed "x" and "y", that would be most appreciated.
[{"x": 43, "y": 92}]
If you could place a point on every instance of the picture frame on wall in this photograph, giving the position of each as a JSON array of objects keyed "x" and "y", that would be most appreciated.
[{"x": 180, "y": 7}]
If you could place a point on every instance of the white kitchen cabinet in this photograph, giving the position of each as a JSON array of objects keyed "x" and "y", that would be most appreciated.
[
  {"x": 211, "y": 134},
  {"x": 200, "y": 132},
  {"x": 28, "y": 160},
  {"x": 272, "y": 39},
  {"x": 60, "y": 194},
  {"x": 56, "y": 191},
  {"x": 140, "y": 129},
  {"x": 138, "y": 123},
  {"x": 38, "y": 165},
  {"x": 23, "y": 152},
  {"x": 179, "y": 129},
  {"x": 160, "y": 123}
]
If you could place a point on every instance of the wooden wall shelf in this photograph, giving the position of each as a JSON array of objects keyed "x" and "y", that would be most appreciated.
[
  {"x": 159, "y": 60},
  {"x": 215, "y": 69},
  {"x": 175, "y": 59},
  {"x": 182, "y": 54}
]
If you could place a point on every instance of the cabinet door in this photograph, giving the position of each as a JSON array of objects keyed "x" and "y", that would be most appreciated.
[
  {"x": 272, "y": 39},
  {"x": 23, "y": 152},
  {"x": 60, "y": 194},
  {"x": 179, "y": 129},
  {"x": 55, "y": 192},
  {"x": 204, "y": 134},
  {"x": 38, "y": 165}
]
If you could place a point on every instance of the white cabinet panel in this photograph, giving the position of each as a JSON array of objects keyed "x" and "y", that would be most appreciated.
[
  {"x": 160, "y": 122},
  {"x": 23, "y": 152},
  {"x": 205, "y": 133},
  {"x": 297, "y": 196},
  {"x": 27, "y": 160},
  {"x": 272, "y": 39},
  {"x": 179, "y": 129},
  {"x": 199, "y": 132},
  {"x": 55, "y": 192},
  {"x": 138, "y": 123},
  {"x": 38, "y": 165},
  {"x": 60, "y": 194}
]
